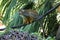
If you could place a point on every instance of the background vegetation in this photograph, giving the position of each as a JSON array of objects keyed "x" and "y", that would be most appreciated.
[{"x": 9, "y": 15}]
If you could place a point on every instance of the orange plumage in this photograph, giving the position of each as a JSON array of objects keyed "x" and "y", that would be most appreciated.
[{"x": 29, "y": 15}]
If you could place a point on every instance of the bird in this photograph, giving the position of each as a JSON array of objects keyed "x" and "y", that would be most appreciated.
[{"x": 28, "y": 13}]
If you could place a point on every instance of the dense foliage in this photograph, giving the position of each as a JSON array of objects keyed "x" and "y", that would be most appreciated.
[{"x": 45, "y": 28}]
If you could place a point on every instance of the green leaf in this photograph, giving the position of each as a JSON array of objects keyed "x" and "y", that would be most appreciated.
[{"x": 7, "y": 14}]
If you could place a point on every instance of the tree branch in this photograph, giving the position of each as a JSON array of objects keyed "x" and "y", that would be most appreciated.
[{"x": 39, "y": 17}]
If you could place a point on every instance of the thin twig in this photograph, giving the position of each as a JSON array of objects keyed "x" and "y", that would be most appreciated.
[{"x": 39, "y": 17}]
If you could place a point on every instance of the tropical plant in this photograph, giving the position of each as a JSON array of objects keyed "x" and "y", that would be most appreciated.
[{"x": 9, "y": 14}]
